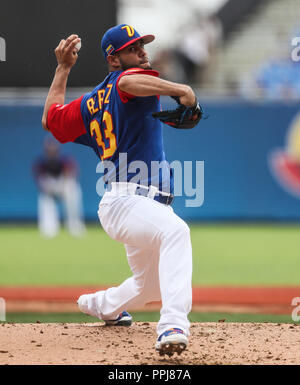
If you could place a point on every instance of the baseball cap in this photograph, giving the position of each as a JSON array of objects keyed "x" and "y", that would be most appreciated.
[{"x": 119, "y": 37}]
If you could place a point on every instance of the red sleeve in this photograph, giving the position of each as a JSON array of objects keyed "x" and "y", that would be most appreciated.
[
  {"x": 124, "y": 96},
  {"x": 65, "y": 121}
]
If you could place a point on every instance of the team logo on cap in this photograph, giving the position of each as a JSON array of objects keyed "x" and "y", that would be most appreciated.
[
  {"x": 109, "y": 49},
  {"x": 129, "y": 29}
]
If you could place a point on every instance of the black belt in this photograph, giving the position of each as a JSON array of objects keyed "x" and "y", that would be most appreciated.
[
  {"x": 159, "y": 197},
  {"x": 164, "y": 199}
]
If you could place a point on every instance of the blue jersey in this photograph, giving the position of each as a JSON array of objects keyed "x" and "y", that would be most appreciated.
[{"x": 121, "y": 130}]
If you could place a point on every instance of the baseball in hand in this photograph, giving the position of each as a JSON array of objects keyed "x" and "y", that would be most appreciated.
[{"x": 78, "y": 46}]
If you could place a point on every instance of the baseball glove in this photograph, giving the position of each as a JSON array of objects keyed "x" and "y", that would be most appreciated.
[{"x": 182, "y": 117}]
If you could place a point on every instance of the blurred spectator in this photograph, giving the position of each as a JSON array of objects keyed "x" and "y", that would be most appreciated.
[
  {"x": 197, "y": 46},
  {"x": 279, "y": 79},
  {"x": 190, "y": 61},
  {"x": 166, "y": 63},
  {"x": 56, "y": 180}
]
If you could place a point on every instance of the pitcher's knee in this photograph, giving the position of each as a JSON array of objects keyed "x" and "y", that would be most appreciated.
[
  {"x": 179, "y": 228},
  {"x": 140, "y": 289},
  {"x": 145, "y": 292},
  {"x": 152, "y": 294}
]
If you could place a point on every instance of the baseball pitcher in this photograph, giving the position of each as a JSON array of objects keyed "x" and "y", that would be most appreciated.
[{"x": 122, "y": 115}]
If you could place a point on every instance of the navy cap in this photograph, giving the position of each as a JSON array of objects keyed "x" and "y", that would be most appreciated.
[{"x": 121, "y": 36}]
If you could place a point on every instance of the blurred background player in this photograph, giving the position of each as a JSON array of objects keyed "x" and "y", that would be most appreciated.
[{"x": 56, "y": 178}]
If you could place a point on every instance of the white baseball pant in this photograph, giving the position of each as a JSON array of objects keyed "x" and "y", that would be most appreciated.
[{"x": 159, "y": 253}]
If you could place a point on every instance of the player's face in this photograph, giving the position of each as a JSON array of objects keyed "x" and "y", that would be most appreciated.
[{"x": 134, "y": 56}]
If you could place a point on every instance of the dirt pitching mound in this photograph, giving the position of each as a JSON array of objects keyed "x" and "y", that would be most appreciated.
[{"x": 209, "y": 343}]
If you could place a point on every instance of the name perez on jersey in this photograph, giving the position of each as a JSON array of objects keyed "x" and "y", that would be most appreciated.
[{"x": 95, "y": 104}]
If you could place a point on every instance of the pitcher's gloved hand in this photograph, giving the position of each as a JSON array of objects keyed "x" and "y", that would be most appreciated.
[{"x": 183, "y": 117}]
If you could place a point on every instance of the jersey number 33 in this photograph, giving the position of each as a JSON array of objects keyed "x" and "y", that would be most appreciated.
[{"x": 95, "y": 131}]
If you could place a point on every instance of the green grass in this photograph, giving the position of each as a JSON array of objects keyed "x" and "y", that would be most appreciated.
[
  {"x": 147, "y": 317},
  {"x": 223, "y": 255}
]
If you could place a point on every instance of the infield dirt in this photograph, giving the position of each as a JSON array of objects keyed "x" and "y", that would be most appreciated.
[{"x": 94, "y": 343}]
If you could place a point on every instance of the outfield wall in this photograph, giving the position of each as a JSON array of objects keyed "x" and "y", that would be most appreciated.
[{"x": 234, "y": 143}]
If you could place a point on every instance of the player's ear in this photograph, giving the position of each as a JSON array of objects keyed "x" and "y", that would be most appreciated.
[{"x": 113, "y": 61}]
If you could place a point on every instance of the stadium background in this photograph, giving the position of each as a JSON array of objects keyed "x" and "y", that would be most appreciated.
[{"x": 245, "y": 235}]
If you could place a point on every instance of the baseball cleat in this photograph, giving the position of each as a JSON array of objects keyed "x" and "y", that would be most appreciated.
[
  {"x": 124, "y": 319},
  {"x": 88, "y": 305},
  {"x": 170, "y": 342}
]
